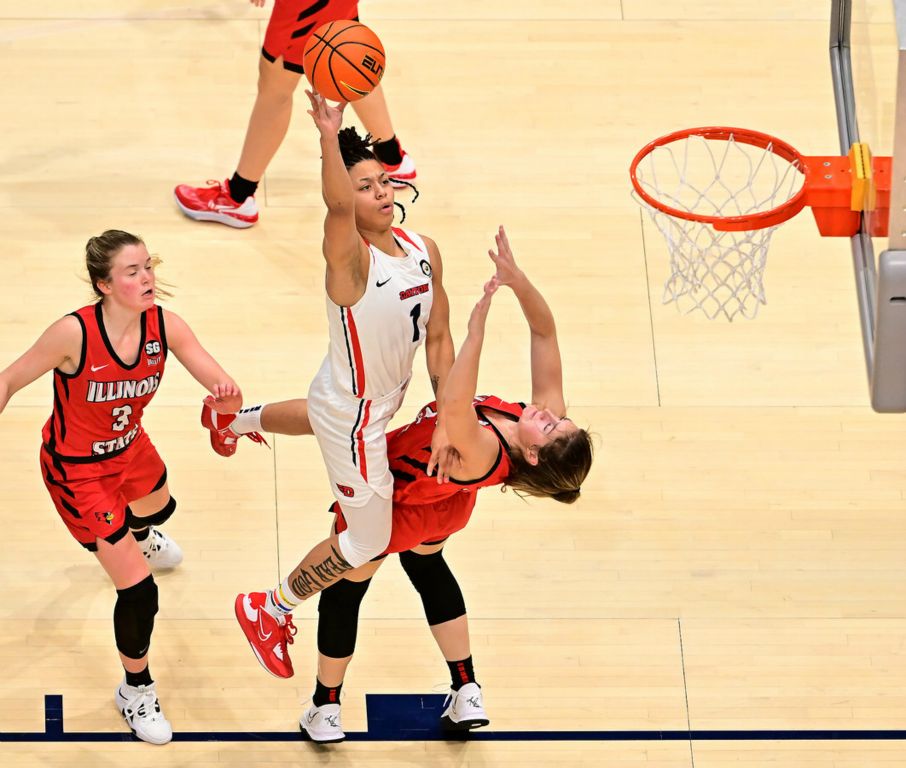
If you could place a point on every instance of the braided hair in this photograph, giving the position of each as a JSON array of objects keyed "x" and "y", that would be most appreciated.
[{"x": 354, "y": 149}]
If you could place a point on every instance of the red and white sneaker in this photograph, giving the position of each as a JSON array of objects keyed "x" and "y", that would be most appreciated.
[
  {"x": 223, "y": 439},
  {"x": 213, "y": 203},
  {"x": 403, "y": 171},
  {"x": 268, "y": 637}
]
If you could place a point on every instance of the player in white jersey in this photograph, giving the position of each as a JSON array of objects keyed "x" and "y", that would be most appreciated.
[{"x": 384, "y": 299}]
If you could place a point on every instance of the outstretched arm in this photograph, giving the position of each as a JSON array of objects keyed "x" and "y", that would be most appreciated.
[
  {"x": 343, "y": 247},
  {"x": 58, "y": 347},
  {"x": 199, "y": 363},
  {"x": 547, "y": 369},
  {"x": 477, "y": 447}
]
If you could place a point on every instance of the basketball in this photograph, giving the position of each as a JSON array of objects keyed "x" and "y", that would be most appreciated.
[{"x": 343, "y": 60}]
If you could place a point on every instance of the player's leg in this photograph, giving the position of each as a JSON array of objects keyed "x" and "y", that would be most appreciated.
[
  {"x": 233, "y": 201},
  {"x": 288, "y": 417},
  {"x": 338, "y": 620},
  {"x": 445, "y": 611},
  {"x": 150, "y": 505},
  {"x": 375, "y": 116},
  {"x": 133, "y": 623}
]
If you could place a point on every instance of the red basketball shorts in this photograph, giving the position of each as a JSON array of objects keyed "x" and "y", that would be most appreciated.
[
  {"x": 293, "y": 21},
  {"x": 92, "y": 497}
]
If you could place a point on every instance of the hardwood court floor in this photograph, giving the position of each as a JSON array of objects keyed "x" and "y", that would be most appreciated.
[{"x": 736, "y": 561}]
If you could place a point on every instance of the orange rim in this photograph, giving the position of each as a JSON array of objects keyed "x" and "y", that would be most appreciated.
[{"x": 760, "y": 220}]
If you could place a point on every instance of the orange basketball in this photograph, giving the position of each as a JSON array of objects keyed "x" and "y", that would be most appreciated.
[{"x": 343, "y": 60}]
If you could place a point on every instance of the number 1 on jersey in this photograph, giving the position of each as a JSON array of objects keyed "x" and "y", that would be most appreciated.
[{"x": 415, "y": 314}]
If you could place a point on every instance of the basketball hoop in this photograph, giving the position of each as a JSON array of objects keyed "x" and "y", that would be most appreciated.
[{"x": 717, "y": 194}]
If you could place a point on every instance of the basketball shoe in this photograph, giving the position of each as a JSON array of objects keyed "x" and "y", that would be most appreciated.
[
  {"x": 223, "y": 439},
  {"x": 213, "y": 203},
  {"x": 322, "y": 724},
  {"x": 402, "y": 171},
  {"x": 269, "y": 637},
  {"x": 464, "y": 709},
  {"x": 141, "y": 710},
  {"x": 160, "y": 550}
]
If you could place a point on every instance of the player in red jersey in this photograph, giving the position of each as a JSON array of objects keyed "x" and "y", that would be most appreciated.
[
  {"x": 232, "y": 202},
  {"x": 534, "y": 449},
  {"x": 105, "y": 477}
]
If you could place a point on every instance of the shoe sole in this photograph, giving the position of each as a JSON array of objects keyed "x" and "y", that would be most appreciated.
[
  {"x": 220, "y": 218},
  {"x": 240, "y": 617},
  {"x": 463, "y": 725},
  {"x": 305, "y": 732}
]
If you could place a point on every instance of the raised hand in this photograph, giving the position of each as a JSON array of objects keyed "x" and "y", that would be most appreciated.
[
  {"x": 225, "y": 398},
  {"x": 328, "y": 119},
  {"x": 507, "y": 271}
]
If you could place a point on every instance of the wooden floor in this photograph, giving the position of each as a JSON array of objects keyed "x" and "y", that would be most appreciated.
[{"x": 736, "y": 562}]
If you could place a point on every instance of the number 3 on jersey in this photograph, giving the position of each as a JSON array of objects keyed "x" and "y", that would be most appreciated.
[{"x": 122, "y": 418}]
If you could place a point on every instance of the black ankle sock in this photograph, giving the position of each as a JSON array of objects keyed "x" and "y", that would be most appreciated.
[
  {"x": 389, "y": 152},
  {"x": 324, "y": 695},
  {"x": 142, "y": 534},
  {"x": 136, "y": 679},
  {"x": 461, "y": 672},
  {"x": 240, "y": 188}
]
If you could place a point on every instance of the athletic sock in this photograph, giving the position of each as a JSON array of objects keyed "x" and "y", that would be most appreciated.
[
  {"x": 389, "y": 152},
  {"x": 326, "y": 694},
  {"x": 136, "y": 679},
  {"x": 281, "y": 600},
  {"x": 461, "y": 672},
  {"x": 240, "y": 188},
  {"x": 247, "y": 420}
]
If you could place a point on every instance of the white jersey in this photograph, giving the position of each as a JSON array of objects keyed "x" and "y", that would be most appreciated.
[{"x": 373, "y": 343}]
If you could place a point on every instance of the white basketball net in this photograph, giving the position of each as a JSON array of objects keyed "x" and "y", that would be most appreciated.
[{"x": 719, "y": 273}]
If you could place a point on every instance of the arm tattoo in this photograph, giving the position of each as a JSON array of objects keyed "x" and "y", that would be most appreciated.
[
  {"x": 435, "y": 381},
  {"x": 314, "y": 578}
]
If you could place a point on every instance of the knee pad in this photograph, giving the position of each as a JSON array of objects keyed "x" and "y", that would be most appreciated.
[
  {"x": 338, "y": 620},
  {"x": 435, "y": 583},
  {"x": 158, "y": 518},
  {"x": 133, "y": 618},
  {"x": 367, "y": 535}
]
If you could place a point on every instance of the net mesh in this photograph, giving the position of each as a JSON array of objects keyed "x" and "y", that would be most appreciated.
[{"x": 719, "y": 273}]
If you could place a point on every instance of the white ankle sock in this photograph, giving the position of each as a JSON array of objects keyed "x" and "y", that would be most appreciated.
[{"x": 247, "y": 420}]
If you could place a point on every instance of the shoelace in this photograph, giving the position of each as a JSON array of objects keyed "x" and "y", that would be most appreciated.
[
  {"x": 143, "y": 704},
  {"x": 289, "y": 630},
  {"x": 256, "y": 437}
]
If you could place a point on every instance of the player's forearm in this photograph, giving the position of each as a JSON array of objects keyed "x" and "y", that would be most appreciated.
[
  {"x": 439, "y": 355},
  {"x": 537, "y": 313},
  {"x": 462, "y": 382},
  {"x": 335, "y": 184}
]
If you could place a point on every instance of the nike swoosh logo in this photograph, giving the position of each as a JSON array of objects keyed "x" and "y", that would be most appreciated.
[
  {"x": 95, "y": 368},
  {"x": 311, "y": 716},
  {"x": 379, "y": 284}
]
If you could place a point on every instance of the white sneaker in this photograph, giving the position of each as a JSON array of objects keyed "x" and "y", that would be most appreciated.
[
  {"x": 160, "y": 550},
  {"x": 465, "y": 709},
  {"x": 322, "y": 724},
  {"x": 141, "y": 710}
]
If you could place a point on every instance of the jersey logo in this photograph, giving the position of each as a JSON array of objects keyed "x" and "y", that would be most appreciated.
[
  {"x": 346, "y": 491},
  {"x": 96, "y": 368},
  {"x": 426, "y": 267},
  {"x": 104, "y": 517},
  {"x": 381, "y": 284},
  {"x": 152, "y": 348},
  {"x": 416, "y": 291}
]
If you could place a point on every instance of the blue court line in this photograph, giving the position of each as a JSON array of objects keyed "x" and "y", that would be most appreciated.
[{"x": 416, "y": 717}]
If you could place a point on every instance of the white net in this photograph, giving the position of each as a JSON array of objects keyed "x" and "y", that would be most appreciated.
[{"x": 719, "y": 273}]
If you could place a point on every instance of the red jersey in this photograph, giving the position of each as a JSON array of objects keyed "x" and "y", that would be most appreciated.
[
  {"x": 423, "y": 511},
  {"x": 97, "y": 410}
]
